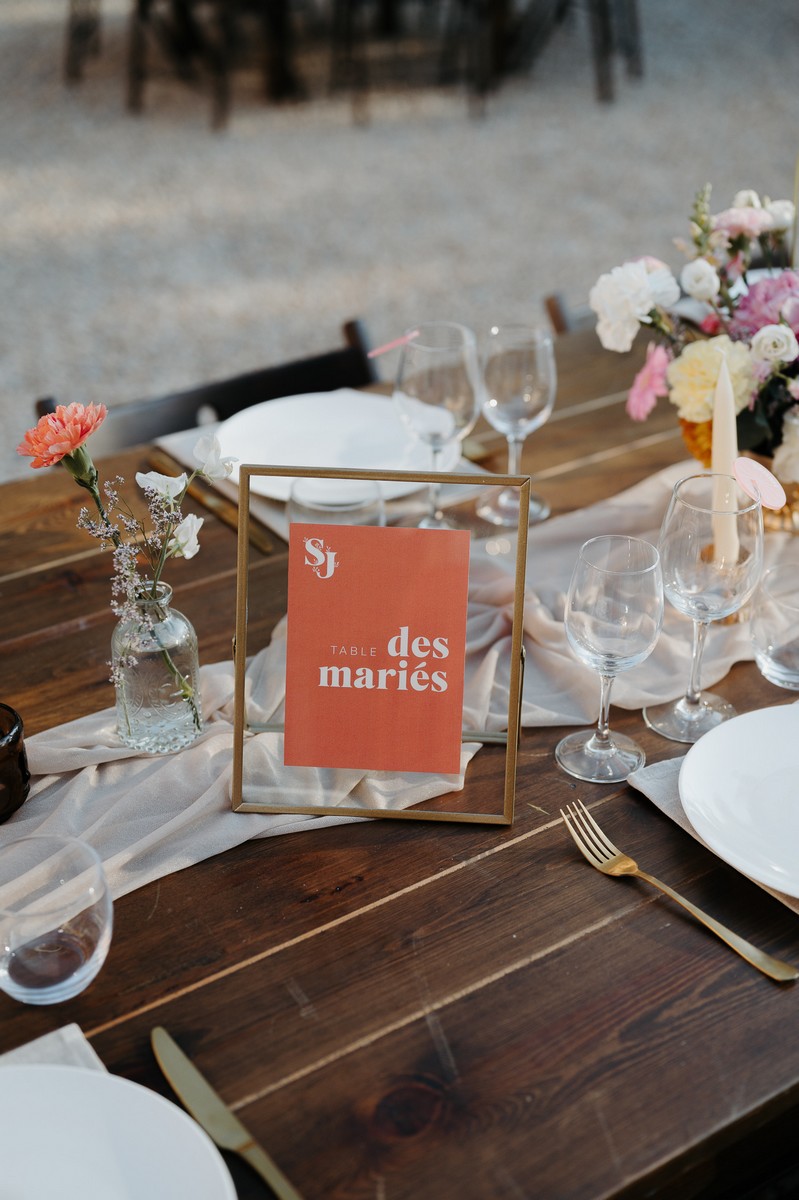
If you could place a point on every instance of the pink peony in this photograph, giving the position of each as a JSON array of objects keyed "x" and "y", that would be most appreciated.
[
  {"x": 649, "y": 384},
  {"x": 766, "y": 302}
]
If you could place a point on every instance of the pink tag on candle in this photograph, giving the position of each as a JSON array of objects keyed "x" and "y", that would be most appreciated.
[{"x": 759, "y": 483}]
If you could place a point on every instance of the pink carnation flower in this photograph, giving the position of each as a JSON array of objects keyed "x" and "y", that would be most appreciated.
[
  {"x": 649, "y": 384},
  {"x": 711, "y": 325},
  {"x": 749, "y": 222},
  {"x": 766, "y": 303}
]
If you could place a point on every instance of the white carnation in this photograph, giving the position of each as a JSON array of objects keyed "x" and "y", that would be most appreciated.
[{"x": 624, "y": 298}]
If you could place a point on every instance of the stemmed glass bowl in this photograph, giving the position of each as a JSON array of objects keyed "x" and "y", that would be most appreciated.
[
  {"x": 520, "y": 381},
  {"x": 614, "y": 613},
  {"x": 438, "y": 392},
  {"x": 711, "y": 547}
]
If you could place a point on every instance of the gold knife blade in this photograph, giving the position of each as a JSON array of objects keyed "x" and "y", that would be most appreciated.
[{"x": 210, "y": 1111}]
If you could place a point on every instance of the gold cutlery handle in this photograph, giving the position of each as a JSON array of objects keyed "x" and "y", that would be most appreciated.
[
  {"x": 772, "y": 967},
  {"x": 269, "y": 1171}
]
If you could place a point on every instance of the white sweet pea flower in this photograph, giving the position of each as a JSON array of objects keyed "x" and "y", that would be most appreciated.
[
  {"x": 782, "y": 213},
  {"x": 775, "y": 344},
  {"x": 700, "y": 280},
  {"x": 168, "y": 486},
  {"x": 184, "y": 542},
  {"x": 746, "y": 199},
  {"x": 208, "y": 454}
]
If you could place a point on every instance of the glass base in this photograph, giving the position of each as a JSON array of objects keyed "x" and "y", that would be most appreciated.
[
  {"x": 584, "y": 756},
  {"x": 502, "y": 508},
  {"x": 433, "y": 522},
  {"x": 682, "y": 721}
]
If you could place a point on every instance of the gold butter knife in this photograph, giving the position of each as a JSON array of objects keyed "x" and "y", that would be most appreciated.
[{"x": 211, "y": 1112}]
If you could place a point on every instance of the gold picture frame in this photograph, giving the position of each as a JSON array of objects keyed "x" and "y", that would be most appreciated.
[{"x": 265, "y": 785}]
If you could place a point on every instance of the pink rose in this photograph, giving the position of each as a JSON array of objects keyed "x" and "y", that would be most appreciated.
[{"x": 649, "y": 384}]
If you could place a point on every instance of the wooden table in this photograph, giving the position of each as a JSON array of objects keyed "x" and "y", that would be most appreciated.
[{"x": 404, "y": 1010}]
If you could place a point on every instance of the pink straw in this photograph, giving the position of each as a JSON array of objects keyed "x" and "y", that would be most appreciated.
[{"x": 400, "y": 341}]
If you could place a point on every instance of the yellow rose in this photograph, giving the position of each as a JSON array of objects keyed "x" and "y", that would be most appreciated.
[{"x": 692, "y": 377}]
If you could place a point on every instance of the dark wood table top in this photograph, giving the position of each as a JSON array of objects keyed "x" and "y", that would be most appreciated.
[{"x": 405, "y": 1010}]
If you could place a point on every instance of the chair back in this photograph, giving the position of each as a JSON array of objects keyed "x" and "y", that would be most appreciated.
[{"x": 143, "y": 421}]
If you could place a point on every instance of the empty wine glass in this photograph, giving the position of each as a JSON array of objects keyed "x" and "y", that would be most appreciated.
[
  {"x": 520, "y": 380},
  {"x": 614, "y": 613},
  {"x": 438, "y": 392},
  {"x": 711, "y": 546}
]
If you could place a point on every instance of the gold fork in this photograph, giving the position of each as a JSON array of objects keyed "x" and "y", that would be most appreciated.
[{"x": 607, "y": 858}]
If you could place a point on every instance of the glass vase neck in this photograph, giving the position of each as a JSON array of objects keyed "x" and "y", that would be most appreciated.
[{"x": 159, "y": 594}]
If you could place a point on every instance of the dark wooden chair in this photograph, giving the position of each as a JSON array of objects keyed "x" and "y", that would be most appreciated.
[
  {"x": 145, "y": 420},
  {"x": 202, "y": 41},
  {"x": 564, "y": 319}
]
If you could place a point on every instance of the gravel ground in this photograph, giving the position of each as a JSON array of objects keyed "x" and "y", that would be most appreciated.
[{"x": 143, "y": 254}]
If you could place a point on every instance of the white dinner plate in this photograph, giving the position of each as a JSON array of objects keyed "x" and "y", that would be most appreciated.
[
  {"x": 71, "y": 1133},
  {"x": 344, "y": 428},
  {"x": 739, "y": 787}
]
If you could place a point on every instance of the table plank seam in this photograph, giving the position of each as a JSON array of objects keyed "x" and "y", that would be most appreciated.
[{"x": 346, "y": 918}]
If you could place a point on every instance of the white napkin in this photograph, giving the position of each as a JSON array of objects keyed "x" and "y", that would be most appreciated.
[
  {"x": 660, "y": 784},
  {"x": 64, "y": 1047}
]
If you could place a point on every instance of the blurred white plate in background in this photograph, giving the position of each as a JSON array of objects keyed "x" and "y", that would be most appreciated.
[{"x": 343, "y": 428}]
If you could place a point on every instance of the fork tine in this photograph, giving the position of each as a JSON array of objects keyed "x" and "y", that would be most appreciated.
[
  {"x": 605, "y": 844},
  {"x": 578, "y": 816},
  {"x": 587, "y": 851}
]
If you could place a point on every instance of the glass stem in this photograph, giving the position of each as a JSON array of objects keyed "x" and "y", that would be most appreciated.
[
  {"x": 602, "y": 735},
  {"x": 435, "y": 515},
  {"x": 514, "y": 455},
  {"x": 692, "y": 696}
]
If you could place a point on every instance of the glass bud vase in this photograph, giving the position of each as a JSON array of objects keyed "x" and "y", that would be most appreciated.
[{"x": 156, "y": 675}]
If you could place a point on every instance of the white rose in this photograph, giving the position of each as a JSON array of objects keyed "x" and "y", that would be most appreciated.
[
  {"x": 208, "y": 454},
  {"x": 782, "y": 212},
  {"x": 184, "y": 542},
  {"x": 168, "y": 486},
  {"x": 746, "y": 199},
  {"x": 700, "y": 280},
  {"x": 775, "y": 344}
]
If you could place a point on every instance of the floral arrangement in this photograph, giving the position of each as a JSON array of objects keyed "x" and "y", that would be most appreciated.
[
  {"x": 139, "y": 553},
  {"x": 717, "y": 308}
]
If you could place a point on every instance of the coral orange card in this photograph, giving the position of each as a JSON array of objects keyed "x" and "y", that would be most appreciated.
[{"x": 376, "y": 648}]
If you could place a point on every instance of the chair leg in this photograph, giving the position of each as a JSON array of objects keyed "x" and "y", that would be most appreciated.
[
  {"x": 137, "y": 55},
  {"x": 629, "y": 27},
  {"x": 82, "y": 37},
  {"x": 602, "y": 44}
]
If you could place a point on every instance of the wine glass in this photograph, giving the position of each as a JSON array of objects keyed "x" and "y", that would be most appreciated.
[
  {"x": 520, "y": 380},
  {"x": 438, "y": 392},
  {"x": 614, "y": 613},
  {"x": 711, "y": 546}
]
